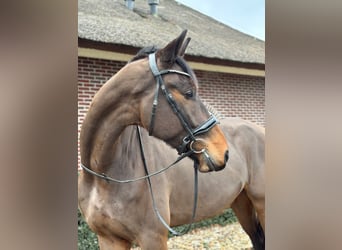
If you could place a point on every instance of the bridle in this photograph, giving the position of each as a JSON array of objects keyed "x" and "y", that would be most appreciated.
[
  {"x": 189, "y": 145},
  {"x": 189, "y": 142}
]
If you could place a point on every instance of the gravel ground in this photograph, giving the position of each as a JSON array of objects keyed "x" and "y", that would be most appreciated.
[{"x": 229, "y": 237}]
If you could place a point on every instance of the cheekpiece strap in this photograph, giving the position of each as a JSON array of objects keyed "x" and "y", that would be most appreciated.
[{"x": 153, "y": 64}]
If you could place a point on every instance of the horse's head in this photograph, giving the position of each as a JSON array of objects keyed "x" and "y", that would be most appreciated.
[{"x": 173, "y": 111}]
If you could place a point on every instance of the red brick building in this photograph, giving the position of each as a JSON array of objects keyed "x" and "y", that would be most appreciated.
[{"x": 229, "y": 65}]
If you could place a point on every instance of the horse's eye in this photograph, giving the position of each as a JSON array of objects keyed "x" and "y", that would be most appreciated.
[{"x": 189, "y": 94}]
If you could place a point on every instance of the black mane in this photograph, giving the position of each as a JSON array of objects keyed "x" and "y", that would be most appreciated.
[{"x": 144, "y": 52}]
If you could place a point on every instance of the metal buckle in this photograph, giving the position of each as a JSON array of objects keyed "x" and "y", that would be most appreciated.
[{"x": 198, "y": 146}]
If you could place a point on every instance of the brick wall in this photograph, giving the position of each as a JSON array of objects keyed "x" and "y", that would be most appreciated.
[
  {"x": 234, "y": 95},
  {"x": 92, "y": 74},
  {"x": 229, "y": 94}
]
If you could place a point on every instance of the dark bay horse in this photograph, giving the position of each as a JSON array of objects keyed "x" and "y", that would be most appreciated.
[{"x": 159, "y": 93}]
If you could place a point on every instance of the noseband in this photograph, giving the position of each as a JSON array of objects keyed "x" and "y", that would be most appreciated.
[{"x": 189, "y": 142}]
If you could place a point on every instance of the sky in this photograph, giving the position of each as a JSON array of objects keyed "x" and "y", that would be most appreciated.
[{"x": 247, "y": 16}]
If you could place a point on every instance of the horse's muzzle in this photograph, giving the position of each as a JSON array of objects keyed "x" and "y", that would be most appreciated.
[
  {"x": 226, "y": 157},
  {"x": 211, "y": 165}
]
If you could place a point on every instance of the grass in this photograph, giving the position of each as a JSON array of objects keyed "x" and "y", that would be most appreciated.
[{"x": 87, "y": 240}]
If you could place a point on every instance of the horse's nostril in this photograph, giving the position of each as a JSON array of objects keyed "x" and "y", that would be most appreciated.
[{"x": 226, "y": 156}]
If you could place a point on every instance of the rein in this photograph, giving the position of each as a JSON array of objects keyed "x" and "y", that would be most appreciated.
[
  {"x": 148, "y": 175},
  {"x": 152, "y": 195},
  {"x": 108, "y": 178}
]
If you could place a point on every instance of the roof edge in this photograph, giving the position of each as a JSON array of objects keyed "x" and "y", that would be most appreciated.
[{"x": 119, "y": 52}]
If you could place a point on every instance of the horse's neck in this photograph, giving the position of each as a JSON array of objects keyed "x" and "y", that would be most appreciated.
[
  {"x": 113, "y": 108},
  {"x": 125, "y": 153}
]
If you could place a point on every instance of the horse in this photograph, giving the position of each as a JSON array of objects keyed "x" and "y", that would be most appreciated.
[
  {"x": 158, "y": 93},
  {"x": 122, "y": 214}
]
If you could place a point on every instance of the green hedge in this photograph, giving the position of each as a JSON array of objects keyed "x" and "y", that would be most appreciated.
[{"x": 87, "y": 240}]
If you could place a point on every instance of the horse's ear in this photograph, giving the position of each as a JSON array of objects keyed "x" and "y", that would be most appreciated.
[
  {"x": 184, "y": 46},
  {"x": 168, "y": 55}
]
